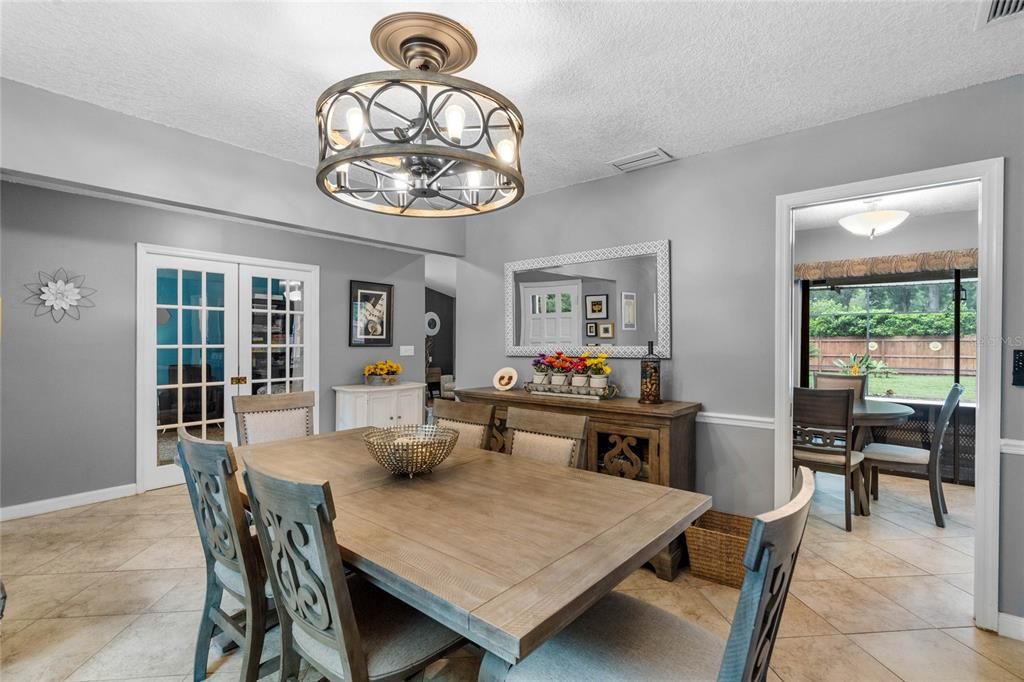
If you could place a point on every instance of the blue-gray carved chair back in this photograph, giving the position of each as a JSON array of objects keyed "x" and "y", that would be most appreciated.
[
  {"x": 210, "y": 468},
  {"x": 770, "y": 559},
  {"x": 295, "y": 525}
]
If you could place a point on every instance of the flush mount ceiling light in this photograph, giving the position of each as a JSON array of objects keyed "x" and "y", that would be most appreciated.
[
  {"x": 419, "y": 142},
  {"x": 873, "y": 223}
]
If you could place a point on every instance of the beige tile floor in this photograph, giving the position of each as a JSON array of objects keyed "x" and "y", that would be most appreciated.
[{"x": 112, "y": 591}]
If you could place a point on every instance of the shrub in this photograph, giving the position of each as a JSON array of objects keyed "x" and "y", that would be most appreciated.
[{"x": 891, "y": 324}]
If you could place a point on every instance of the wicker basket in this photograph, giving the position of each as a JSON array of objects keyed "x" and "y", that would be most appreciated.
[
  {"x": 409, "y": 450},
  {"x": 716, "y": 543}
]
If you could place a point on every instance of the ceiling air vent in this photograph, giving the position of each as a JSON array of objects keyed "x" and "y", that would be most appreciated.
[
  {"x": 651, "y": 157},
  {"x": 999, "y": 10}
]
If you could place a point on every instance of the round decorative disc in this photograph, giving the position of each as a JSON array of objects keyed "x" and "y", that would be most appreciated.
[
  {"x": 396, "y": 37},
  {"x": 505, "y": 379},
  {"x": 432, "y": 323}
]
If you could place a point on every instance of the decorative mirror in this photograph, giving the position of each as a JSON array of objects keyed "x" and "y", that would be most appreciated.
[{"x": 610, "y": 301}]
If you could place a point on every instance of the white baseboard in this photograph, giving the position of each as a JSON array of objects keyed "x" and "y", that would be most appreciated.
[
  {"x": 1009, "y": 446},
  {"x": 1011, "y": 626},
  {"x": 743, "y": 420},
  {"x": 17, "y": 511}
]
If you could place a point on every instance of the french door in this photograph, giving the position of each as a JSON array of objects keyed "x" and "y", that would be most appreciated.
[
  {"x": 211, "y": 328},
  {"x": 550, "y": 313}
]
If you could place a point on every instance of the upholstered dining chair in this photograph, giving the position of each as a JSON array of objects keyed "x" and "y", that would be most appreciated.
[
  {"x": 263, "y": 418},
  {"x": 902, "y": 458},
  {"x": 348, "y": 630},
  {"x": 233, "y": 561},
  {"x": 546, "y": 436},
  {"x": 473, "y": 421},
  {"x": 835, "y": 381},
  {"x": 624, "y": 638},
  {"x": 823, "y": 438}
]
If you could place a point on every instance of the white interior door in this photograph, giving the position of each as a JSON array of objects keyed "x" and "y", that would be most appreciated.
[
  {"x": 550, "y": 313},
  {"x": 277, "y": 345},
  {"x": 188, "y": 340}
]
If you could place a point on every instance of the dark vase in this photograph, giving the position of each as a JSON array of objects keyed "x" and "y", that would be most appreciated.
[{"x": 650, "y": 377}]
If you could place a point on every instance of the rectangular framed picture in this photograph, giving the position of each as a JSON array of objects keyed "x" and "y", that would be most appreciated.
[
  {"x": 591, "y": 328},
  {"x": 606, "y": 330},
  {"x": 372, "y": 311},
  {"x": 597, "y": 306},
  {"x": 627, "y": 314}
]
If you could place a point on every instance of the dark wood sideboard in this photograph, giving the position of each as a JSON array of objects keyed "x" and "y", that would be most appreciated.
[{"x": 653, "y": 443}]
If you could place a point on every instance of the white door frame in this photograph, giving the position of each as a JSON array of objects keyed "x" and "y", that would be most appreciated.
[
  {"x": 990, "y": 324},
  {"x": 141, "y": 335}
]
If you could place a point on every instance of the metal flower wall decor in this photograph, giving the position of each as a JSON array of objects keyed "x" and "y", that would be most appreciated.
[{"x": 59, "y": 295}]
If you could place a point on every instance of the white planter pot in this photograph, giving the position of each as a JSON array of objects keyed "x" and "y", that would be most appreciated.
[
  {"x": 558, "y": 379},
  {"x": 599, "y": 381},
  {"x": 580, "y": 379},
  {"x": 540, "y": 377}
]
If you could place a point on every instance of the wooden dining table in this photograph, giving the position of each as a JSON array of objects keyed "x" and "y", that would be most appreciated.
[{"x": 504, "y": 550}]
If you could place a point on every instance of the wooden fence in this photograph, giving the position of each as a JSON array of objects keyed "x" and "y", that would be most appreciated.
[{"x": 908, "y": 354}]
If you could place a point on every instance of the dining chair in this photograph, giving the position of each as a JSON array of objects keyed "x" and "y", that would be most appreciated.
[
  {"x": 902, "y": 458},
  {"x": 833, "y": 380},
  {"x": 823, "y": 437},
  {"x": 473, "y": 421},
  {"x": 233, "y": 561},
  {"x": 624, "y": 638},
  {"x": 263, "y": 418},
  {"x": 348, "y": 630},
  {"x": 545, "y": 436}
]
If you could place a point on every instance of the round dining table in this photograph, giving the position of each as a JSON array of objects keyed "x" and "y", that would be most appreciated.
[{"x": 868, "y": 413}]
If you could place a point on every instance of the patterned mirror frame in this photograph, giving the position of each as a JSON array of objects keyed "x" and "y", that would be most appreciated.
[{"x": 663, "y": 342}]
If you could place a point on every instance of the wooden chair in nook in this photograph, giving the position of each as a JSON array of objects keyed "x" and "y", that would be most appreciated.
[
  {"x": 623, "y": 638},
  {"x": 473, "y": 421},
  {"x": 347, "y": 630},
  {"x": 264, "y": 418},
  {"x": 835, "y": 381},
  {"x": 902, "y": 458},
  {"x": 233, "y": 561},
  {"x": 546, "y": 436},
  {"x": 823, "y": 438}
]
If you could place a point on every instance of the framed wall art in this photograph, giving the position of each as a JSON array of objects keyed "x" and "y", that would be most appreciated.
[
  {"x": 372, "y": 313},
  {"x": 591, "y": 328},
  {"x": 627, "y": 314},
  {"x": 606, "y": 330},
  {"x": 596, "y": 306}
]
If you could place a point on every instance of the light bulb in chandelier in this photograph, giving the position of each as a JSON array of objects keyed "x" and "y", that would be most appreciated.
[
  {"x": 354, "y": 120},
  {"x": 506, "y": 150},
  {"x": 455, "y": 117}
]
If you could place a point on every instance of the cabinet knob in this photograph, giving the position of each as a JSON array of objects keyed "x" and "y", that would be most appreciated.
[{"x": 392, "y": 418}]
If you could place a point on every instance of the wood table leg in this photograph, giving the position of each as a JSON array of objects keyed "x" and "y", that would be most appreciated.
[{"x": 666, "y": 562}]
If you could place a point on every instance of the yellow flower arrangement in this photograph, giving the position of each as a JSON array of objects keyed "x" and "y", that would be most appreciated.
[
  {"x": 597, "y": 365},
  {"x": 382, "y": 368}
]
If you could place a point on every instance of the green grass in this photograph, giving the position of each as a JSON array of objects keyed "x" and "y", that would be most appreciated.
[{"x": 924, "y": 386}]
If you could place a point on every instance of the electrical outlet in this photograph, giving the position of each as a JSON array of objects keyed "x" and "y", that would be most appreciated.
[{"x": 406, "y": 350}]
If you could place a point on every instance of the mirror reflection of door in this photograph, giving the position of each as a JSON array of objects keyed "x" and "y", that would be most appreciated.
[{"x": 550, "y": 313}]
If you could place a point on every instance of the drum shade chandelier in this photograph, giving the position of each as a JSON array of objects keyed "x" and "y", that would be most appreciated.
[{"x": 419, "y": 141}]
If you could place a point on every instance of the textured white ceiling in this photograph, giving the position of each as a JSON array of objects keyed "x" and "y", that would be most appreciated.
[
  {"x": 928, "y": 201},
  {"x": 595, "y": 81}
]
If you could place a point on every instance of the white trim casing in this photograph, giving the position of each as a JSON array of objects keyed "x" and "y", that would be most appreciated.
[
  {"x": 18, "y": 511},
  {"x": 1011, "y": 626},
  {"x": 1012, "y": 447},
  {"x": 990, "y": 320},
  {"x": 740, "y": 420}
]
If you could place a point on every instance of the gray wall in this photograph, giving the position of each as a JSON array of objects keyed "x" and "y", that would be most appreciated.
[
  {"x": 112, "y": 153},
  {"x": 939, "y": 232},
  {"x": 68, "y": 412},
  {"x": 719, "y": 211}
]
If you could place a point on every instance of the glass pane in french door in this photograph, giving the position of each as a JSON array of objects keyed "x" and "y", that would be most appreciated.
[
  {"x": 274, "y": 347},
  {"x": 192, "y": 361}
]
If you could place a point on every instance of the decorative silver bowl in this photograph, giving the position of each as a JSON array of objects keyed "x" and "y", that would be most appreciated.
[{"x": 409, "y": 450}]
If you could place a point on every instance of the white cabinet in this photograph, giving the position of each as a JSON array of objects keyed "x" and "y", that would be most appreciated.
[{"x": 397, "y": 405}]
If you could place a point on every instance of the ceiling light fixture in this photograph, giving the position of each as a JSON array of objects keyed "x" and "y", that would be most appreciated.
[
  {"x": 873, "y": 223},
  {"x": 419, "y": 142}
]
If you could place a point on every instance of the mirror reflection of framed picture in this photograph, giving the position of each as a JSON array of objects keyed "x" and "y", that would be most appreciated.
[
  {"x": 627, "y": 315},
  {"x": 372, "y": 311},
  {"x": 597, "y": 306},
  {"x": 606, "y": 330},
  {"x": 591, "y": 328}
]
